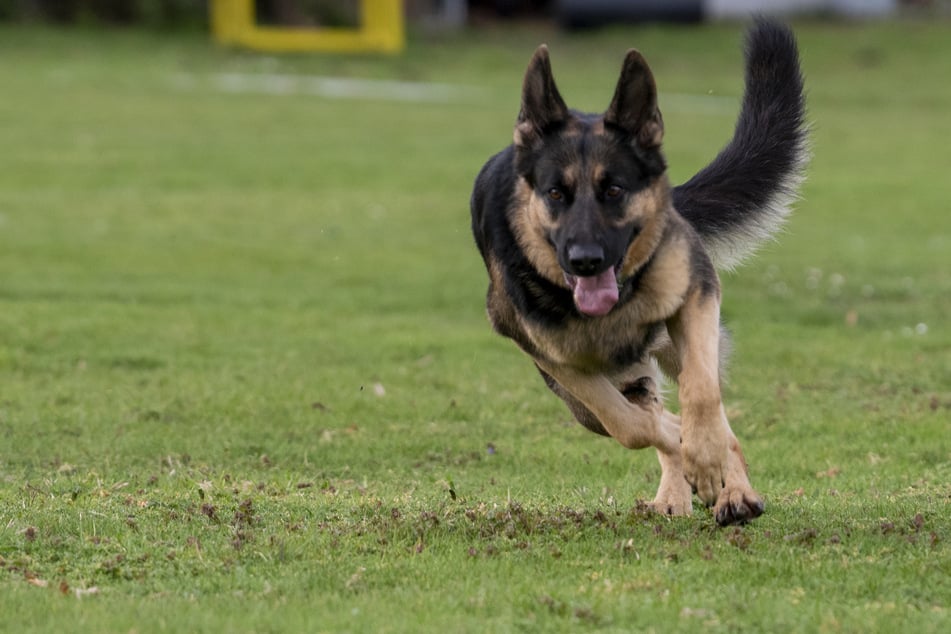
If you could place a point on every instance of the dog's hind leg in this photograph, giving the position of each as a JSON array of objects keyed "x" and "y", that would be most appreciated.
[
  {"x": 635, "y": 417},
  {"x": 674, "y": 495}
]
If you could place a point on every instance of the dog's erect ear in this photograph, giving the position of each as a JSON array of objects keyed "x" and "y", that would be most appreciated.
[
  {"x": 542, "y": 105},
  {"x": 634, "y": 107}
]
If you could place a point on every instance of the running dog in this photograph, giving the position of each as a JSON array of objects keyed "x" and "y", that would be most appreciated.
[{"x": 606, "y": 275}]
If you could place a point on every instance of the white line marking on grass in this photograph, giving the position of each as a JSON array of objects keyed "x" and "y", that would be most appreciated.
[
  {"x": 281, "y": 84},
  {"x": 333, "y": 87}
]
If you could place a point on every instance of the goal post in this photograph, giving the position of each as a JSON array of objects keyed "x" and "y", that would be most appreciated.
[{"x": 381, "y": 29}]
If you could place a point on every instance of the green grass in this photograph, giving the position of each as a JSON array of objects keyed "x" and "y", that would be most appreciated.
[{"x": 247, "y": 384}]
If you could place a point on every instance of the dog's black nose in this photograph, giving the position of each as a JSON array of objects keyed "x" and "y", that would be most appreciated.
[{"x": 585, "y": 259}]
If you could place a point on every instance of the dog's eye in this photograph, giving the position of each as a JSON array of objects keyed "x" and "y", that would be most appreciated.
[
  {"x": 613, "y": 191},
  {"x": 556, "y": 194}
]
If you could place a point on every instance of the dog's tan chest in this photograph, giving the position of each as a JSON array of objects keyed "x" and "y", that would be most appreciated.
[{"x": 624, "y": 335}]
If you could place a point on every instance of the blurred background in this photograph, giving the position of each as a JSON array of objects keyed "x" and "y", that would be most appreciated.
[{"x": 450, "y": 13}]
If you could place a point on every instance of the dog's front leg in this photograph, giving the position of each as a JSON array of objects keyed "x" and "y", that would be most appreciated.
[
  {"x": 634, "y": 426},
  {"x": 712, "y": 460},
  {"x": 635, "y": 423}
]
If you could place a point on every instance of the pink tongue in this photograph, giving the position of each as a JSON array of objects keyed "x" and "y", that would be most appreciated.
[{"x": 596, "y": 295}]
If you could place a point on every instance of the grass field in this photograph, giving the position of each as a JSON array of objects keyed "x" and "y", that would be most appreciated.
[{"x": 247, "y": 383}]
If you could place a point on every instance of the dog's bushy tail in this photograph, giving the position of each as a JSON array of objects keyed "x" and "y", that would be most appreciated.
[{"x": 743, "y": 196}]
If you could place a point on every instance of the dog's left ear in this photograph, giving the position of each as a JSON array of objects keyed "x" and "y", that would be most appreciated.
[{"x": 634, "y": 107}]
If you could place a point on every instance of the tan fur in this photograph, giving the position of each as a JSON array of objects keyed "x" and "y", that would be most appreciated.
[
  {"x": 499, "y": 307},
  {"x": 584, "y": 347},
  {"x": 522, "y": 132},
  {"x": 597, "y": 173},
  {"x": 651, "y": 208},
  {"x": 530, "y": 223},
  {"x": 571, "y": 176}
]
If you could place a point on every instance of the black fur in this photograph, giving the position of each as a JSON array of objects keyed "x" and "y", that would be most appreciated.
[{"x": 737, "y": 200}]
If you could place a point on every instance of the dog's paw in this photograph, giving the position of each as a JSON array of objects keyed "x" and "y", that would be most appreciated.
[
  {"x": 738, "y": 505},
  {"x": 707, "y": 462},
  {"x": 672, "y": 505},
  {"x": 673, "y": 496},
  {"x": 704, "y": 473}
]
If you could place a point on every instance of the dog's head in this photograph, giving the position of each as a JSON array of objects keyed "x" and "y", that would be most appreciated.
[{"x": 592, "y": 191}]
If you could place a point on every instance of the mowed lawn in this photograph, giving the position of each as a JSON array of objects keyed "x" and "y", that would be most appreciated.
[{"x": 247, "y": 383}]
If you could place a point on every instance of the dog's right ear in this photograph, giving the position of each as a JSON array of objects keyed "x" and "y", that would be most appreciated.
[{"x": 542, "y": 105}]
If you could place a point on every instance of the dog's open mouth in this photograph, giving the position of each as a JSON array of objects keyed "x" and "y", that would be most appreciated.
[{"x": 595, "y": 295}]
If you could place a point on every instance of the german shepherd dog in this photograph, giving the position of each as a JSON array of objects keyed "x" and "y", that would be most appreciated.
[{"x": 605, "y": 274}]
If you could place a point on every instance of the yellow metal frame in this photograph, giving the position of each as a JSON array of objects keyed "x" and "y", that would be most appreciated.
[{"x": 381, "y": 30}]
